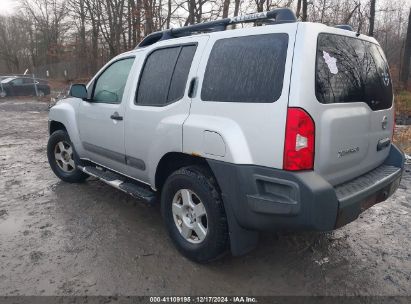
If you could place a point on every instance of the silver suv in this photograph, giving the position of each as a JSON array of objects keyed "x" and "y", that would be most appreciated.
[{"x": 282, "y": 126}]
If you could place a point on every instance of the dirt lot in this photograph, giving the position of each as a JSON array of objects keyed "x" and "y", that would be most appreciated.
[{"x": 91, "y": 239}]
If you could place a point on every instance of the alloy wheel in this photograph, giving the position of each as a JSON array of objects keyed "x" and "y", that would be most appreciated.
[
  {"x": 190, "y": 216},
  {"x": 63, "y": 153}
]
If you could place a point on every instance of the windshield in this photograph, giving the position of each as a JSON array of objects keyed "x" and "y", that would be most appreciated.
[
  {"x": 7, "y": 80},
  {"x": 352, "y": 70}
]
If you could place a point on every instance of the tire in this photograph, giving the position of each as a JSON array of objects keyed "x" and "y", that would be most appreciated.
[
  {"x": 3, "y": 94},
  {"x": 70, "y": 161},
  {"x": 198, "y": 184}
]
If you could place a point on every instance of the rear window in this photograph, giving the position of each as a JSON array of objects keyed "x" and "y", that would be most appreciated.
[
  {"x": 352, "y": 70},
  {"x": 246, "y": 69},
  {"x": 164, "y": 76}
]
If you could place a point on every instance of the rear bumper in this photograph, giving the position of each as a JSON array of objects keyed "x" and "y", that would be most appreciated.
[{"x": 259, "y": 198}]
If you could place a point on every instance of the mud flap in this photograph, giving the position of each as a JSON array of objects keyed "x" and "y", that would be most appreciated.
[{"x": 242, "y": 240}]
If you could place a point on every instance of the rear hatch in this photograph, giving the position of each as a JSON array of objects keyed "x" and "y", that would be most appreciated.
[{"x": 354, "y": 115}]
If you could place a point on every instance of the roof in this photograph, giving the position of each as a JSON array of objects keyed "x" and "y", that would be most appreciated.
[{"x": 276, "y": 16}]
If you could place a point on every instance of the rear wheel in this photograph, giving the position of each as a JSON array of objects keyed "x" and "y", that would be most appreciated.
[
  {"x": 63, "y": 159},
  {"x": 194, "y": 214}
]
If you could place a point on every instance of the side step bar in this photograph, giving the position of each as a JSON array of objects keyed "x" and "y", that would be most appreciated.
[{"x": 122, "y": 183}]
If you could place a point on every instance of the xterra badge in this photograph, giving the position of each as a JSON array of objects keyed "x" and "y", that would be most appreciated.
[{"x": 348, "y": 151}]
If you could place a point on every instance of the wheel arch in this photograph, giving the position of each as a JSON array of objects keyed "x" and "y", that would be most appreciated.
[
  {"x": 55, "y": 126},
  {"x": 64, "y": 115},
  {"x": 173, "y": 161}
]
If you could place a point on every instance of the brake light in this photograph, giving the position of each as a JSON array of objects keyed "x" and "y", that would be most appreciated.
[{"x": 299, "y": 141}]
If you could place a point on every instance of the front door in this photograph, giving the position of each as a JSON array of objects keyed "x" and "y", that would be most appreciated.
[
  {"x": 101, "y": 123},
  {"x": 17, "y": 87}
]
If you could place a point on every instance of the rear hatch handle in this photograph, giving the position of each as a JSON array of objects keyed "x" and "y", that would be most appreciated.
[{"x": 383, "y": 143}]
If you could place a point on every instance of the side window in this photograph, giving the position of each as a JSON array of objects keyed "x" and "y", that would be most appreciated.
[
  {"x": 18, "y": 81},
  {"x": 28, "y": 81},
  {"x": 109, "y": 87},
  {"x": 246, "y": 69},
  {"x": 164, "y": 76}
]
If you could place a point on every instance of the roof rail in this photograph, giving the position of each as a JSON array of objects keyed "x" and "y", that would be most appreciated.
[
  {"x": 344, "y": 27},
  {"x": 276, "y": 16}
]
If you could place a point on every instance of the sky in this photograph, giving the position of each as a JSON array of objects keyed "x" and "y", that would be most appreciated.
[{"x": 7, "y": 6}]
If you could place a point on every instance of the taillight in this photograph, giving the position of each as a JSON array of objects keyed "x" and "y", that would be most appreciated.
[{"x": 299, "y": 141}]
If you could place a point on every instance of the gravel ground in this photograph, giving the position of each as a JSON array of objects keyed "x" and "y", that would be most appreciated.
[{"x": 90, "y": 239}]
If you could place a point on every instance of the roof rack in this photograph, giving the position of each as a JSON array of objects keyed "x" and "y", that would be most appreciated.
[
  {"x": 275, "y": 16},
  {"x": 344, "y": 27}
]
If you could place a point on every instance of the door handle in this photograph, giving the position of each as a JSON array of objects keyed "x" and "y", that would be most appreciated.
[
  {"x": 192, "y": 88},
  {"x": 116, "y": 116}
]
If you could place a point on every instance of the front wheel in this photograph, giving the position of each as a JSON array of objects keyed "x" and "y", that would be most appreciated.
[
  {"x": 194, "y": 214},
  {"x": 63, "y": 159}
]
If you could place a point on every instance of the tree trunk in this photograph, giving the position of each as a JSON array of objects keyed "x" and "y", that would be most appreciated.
[
  {"x": 129, "y": 25},
  {"x": 297, "y": 13},
  {"x": 84, "y": 68},
  {"x": 372, "y": 18},
  {"x": 260, "y": 5},
  {"x": 168, "y": 14},
  {"x": 407, "y": 55},
  {"x": 148, "y": 14},
  {"x": 191, "y": 12},
  {"x": 138, "y": 20},
  {"x": 236, "y": 7},
  {"x": 226, "y": 6},
  {"x": 323, "y": 10},
  {"x": 305, "y": 6}
]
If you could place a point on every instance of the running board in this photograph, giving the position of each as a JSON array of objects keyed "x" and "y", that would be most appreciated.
[{"x": 122, "y": 183}]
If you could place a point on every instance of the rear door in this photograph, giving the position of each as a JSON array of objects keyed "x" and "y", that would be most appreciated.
[
  {"x": 160, "y": 103},
  {"x": 351, "y": 103},
  {"x": 28, "y": 86}
]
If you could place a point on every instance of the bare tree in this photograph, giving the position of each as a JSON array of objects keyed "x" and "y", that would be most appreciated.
[
  {"x": 298, "y": 11},
  {"x": 90, "y": 32},
  {"x": 372, "y": 18},
  {"x": 226, "y": 5},
  {"x": 305, "y": 8},
  {"x": 407, "y": 55}
]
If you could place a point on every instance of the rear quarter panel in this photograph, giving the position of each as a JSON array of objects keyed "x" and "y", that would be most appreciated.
[{"x": 251, "y": 133}]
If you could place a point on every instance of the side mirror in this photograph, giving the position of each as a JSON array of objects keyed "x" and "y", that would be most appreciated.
[{"x": 79, "y": 91}]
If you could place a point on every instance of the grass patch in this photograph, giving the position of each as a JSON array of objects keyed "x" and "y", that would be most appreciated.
[
  {"x": 402, "y": 138},
  {"x": 403, "y": 103}
]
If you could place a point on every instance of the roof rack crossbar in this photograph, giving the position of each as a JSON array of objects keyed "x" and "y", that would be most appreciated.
[
  {"x": 279, "y": 15},
  {"x": 346, "y": 27}
]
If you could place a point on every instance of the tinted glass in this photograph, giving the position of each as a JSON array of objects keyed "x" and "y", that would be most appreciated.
[
  {"x": 246, "y": 69},
  {"x": 179, "y": 79},
  {"x": 110, "y": 85},
  {"x": 352, "y": 70},
  {"x": 18, "y": 81},
  {"x": 164, "y": 75},
  {"x": 28, "y": 81}
]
